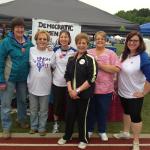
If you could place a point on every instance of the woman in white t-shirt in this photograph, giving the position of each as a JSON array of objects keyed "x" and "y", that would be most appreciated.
[
  {"x": 42, "y": 60},
  {"x": 133, "y": 85}
]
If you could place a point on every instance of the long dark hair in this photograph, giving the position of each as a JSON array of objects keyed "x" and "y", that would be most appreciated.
[{"x": 140, "y": 49}]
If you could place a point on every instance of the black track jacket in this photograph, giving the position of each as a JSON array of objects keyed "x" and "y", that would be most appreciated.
[{"x": 80, "y": 70}]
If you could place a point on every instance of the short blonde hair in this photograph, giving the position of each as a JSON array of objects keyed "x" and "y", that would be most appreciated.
[
  {"x": 101, "y": 33},
  {"x": 82, "y": 36},
  {"x": 42, "y": 32}
]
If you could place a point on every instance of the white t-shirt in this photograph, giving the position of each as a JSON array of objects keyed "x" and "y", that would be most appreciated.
[
  {"x": 40, "y": 76},
  {"x": 131, "y": 79},
  {"x": 61, "y": 63}
]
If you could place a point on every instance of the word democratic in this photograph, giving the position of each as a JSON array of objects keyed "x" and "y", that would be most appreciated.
[{"x": 55, "y": 26}]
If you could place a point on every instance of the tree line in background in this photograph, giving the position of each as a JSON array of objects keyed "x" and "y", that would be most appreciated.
[{"x": 140, "y": 16}]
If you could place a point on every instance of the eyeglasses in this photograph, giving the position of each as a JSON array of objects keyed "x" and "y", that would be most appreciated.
[{"x": 133, "y": 41}]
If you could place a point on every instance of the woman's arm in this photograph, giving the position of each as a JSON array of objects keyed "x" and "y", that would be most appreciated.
[
  {"x": 73, "y": 93},
  {"x": 83, "y": 87},
  {"x": 109, "y": 68},
  {"x": 146, "y": 88},
  {"x": 113, "y": 66},
  {"x": 145, "y": 68},
  {"x": 3, "y": 56}
]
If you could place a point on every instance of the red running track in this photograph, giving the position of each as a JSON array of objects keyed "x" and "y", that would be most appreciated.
[{"x": 51, "y": 144}]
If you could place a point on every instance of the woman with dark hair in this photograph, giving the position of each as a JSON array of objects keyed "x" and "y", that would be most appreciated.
[
  {"x": 59, "y": 89},
  {"x": 14, "y": 68},
  {"x": 133, "y": 78}
]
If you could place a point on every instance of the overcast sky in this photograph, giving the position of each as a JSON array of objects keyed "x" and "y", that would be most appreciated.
[{"x": 113, "y": 6}]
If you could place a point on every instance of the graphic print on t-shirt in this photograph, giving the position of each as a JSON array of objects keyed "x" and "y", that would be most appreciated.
[{"x": 41, "y": 62}]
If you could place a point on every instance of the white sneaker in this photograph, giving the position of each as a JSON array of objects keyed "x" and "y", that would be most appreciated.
[
  {"x": 136, "y": 146},
  {"x": 82, "y": 145},
  {"x": 122, "y": 135},
  {"x": 61, "y": 141},
  {"x": 55, "y": 128},
  {"x": 90, "y": 134},
  {"x": 103, "y": 136}
]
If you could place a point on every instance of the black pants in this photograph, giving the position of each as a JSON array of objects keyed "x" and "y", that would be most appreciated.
[
  {"x": 133, "y": 108},
  {"x": 77, "y": 110},
  {"x": 59, "y": 96}
]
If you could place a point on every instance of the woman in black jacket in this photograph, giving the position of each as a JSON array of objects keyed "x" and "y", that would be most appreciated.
[{"x": 80, "y": 75}]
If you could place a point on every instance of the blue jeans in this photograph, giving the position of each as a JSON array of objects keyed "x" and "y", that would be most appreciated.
[
  {"x": 6, "y": 99},
  {"x": 98, "y": 112},
  {"x": 38, "y": 112}
]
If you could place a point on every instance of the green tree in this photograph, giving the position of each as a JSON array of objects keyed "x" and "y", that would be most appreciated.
[
  {"x": 143, "y": 12},
  {"x": 122, "y": 28},
  {"x": 136, "y": 16}
]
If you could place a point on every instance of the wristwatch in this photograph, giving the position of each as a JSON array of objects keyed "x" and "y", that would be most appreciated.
[{"x": 78, "y": 90}]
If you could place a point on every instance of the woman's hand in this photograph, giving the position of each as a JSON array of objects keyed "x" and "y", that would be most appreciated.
[
  {"x": 73, "y": 94},
  {"x": 138, "y": 94}
]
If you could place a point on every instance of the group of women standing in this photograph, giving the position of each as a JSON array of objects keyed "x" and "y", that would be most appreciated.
[
  {"x": 83, "y": 79},
  {"x": 133, "y": 81}
]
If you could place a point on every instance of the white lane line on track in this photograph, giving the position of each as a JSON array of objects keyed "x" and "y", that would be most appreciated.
[{"x": 67, "y": 145}]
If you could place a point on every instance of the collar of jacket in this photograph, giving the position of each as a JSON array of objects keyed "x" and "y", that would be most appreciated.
[{"x": 81, "y": 56}]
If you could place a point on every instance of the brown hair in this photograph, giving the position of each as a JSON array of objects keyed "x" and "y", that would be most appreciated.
[
  {"x": 17, "y": 21},
  {"x": 42, "y": 32},
  {"x": 82, "y": 36},
  {"x": 140, "y": 49},
  {"x": 68, "y": 33}
]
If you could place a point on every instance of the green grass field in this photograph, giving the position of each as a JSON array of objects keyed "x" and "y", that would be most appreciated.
[{"x": 112, "y": 126}]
